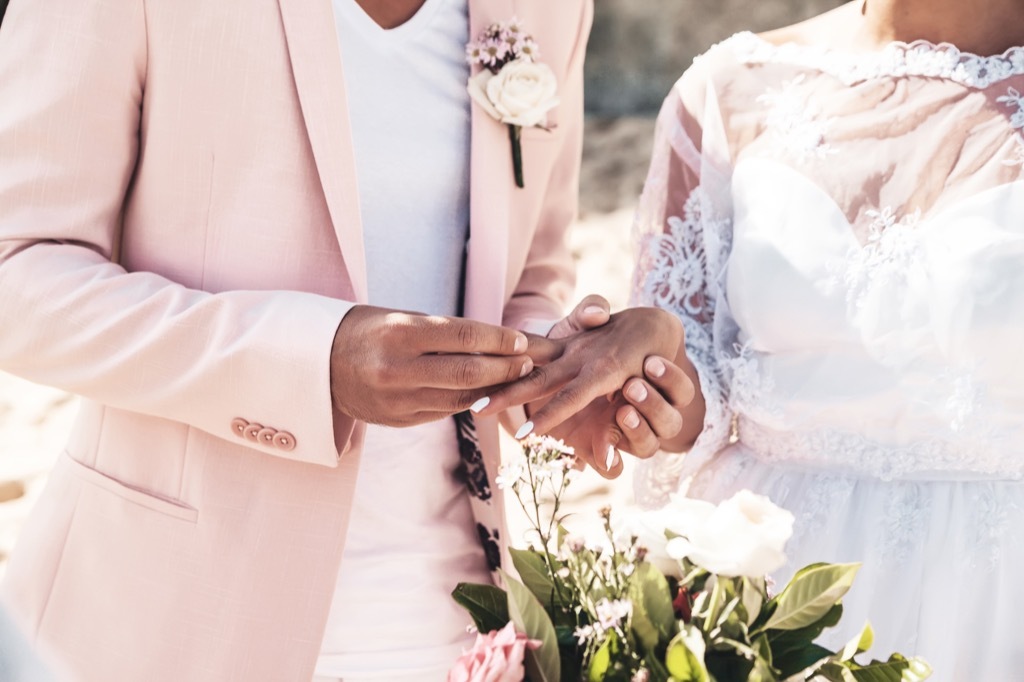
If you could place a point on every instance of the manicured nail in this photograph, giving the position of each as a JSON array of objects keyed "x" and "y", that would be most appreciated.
[
  {"x": 637, "y": 392},
  {"x": 632, "y": 420},
  {"x": 656, "y": 368},
  {"x": 521, "y": 344},
  {"x": 479, "y": 405},
  {"x": 594, "y": 310},
  {"x": 524, "y": 430},
  {"x": 527, "y": 368},
  {"x": 609, "y": 459}
]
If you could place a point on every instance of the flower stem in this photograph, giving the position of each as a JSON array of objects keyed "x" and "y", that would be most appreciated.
[{"x": 515, "y": 137}]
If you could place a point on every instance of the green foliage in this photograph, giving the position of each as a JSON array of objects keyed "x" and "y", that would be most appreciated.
[
  {"x": 811, "y": 594},
  {"x": 487, "y": 605},
  {"x": 530, "y": 618},
  {"x": 654, "y": 619},
  {"x": 533, "y": 571},
  {"x": 685, "y": 657}
]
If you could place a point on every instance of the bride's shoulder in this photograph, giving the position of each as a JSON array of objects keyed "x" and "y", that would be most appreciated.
[
  {"x": 724, "y": 68},
  {"x": 741, "y": 48}
]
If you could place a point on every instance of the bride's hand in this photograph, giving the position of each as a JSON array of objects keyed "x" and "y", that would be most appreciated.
[
  {"x": 598, "y": 361},
  {"x": 639, "y": 420}
]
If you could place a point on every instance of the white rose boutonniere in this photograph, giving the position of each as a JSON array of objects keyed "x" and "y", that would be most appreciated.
[{"x": 513, "y": 87}]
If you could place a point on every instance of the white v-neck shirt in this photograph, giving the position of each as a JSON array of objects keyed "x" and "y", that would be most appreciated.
[{"x": 412, "y": 536}]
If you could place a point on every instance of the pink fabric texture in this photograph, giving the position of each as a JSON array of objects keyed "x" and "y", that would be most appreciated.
[
  {"x": 179, "y": 240},
  {"x": 495, "y": 657}
]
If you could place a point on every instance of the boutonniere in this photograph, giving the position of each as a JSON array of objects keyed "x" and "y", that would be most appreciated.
[{"x": 513, "y": 87}]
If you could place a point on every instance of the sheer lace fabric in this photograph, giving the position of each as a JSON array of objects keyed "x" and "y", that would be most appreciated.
[{"x": 842, "y": 237}]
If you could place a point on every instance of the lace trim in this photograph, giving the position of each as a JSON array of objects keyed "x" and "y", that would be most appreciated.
[
  {"x": 897, "y": 59},
  {"x": 852, "y": 453}
]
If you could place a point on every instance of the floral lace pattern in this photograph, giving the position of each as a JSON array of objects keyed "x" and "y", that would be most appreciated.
[
  {"x": 675, "y": 281},
  {"x": 751, "y": 386},
  {"x": 795, "y": 122},
  {"x": 891, "y": 254},
  {"x": 923, "y": 459},
  {"x": 897, "y": 59},
  {"x": 1014, "y": 99}
]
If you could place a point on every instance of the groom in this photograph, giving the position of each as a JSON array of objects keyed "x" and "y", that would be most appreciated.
[{"x": 199, "y": 202}]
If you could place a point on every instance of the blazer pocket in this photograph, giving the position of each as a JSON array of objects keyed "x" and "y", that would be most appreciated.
[{"x": 132, "y": 494}]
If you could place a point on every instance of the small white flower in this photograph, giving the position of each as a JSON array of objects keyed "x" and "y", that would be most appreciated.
[
  {"x": 511, "y": 474},
  {"x": 611, "y": 613},
  {"x": 584, "y": 633},
  {"x": 520, "y": 94}
]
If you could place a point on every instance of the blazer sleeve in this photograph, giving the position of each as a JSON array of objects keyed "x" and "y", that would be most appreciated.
[
  {"x": 548, "y": 279},
  {"x": 72, "y": 79}
]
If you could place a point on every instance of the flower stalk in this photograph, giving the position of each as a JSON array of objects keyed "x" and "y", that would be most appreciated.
[{"x": 515, "y": 135}]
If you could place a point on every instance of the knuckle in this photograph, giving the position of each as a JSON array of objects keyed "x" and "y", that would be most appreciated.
[
  {"x": 469, "y": 336},
  {"x": 468, "y": 372},
  {"x": 513, "y": 371},
  {"x": 461, "y": 400}
]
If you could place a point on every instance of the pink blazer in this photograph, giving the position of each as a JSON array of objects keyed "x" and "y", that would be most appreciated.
[{"x": 179, "y": 239}]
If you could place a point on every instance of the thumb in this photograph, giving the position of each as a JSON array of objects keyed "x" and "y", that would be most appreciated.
[{"x": 593, "y": 311}]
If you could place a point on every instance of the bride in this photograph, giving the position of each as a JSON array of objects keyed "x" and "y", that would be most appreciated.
[{"x": 835, "y": 211}]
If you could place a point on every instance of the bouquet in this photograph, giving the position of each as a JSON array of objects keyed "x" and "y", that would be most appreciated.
[{"x": 675, "y": 595}]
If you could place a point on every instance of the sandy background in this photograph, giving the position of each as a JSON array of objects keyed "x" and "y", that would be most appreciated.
[{"x": 35, "y": 420}]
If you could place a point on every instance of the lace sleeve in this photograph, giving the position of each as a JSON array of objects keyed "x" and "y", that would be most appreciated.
[{"x": 683, "y": 231}]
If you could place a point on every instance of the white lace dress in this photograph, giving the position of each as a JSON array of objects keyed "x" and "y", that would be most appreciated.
[{"x": 843, "y": 238}]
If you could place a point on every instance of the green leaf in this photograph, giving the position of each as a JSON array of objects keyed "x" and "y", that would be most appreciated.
[
  {"x": 534, "y": 573},
  {"x": 896, "y": 669},
  {"x": 799, "y": 663},
  {"x": 811, "y": 594},
  {"x": 654, "y": 619},
  {"x": 601, "y": 661},
  {"x": 530, "y": 618},
  {"x": 486, "y": 604},
  {"x": 753, "y": 598},
  {"x": 685, "y": 656},
  {"x": 859, "y": 644}
]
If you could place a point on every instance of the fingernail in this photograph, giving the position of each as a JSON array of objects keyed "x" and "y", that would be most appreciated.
[
  {"x": 609, "y": 460},
  {"x": 594, "y": 310},
  {"x": 637, "y": 392},
  {"x": 656, "y": 368},
  {"x": 524, "y": 430},
  {"x": 527, "y": 368},
  {"x": 521, "y": 344},
  {"x": 479, "y": 405},
  {"x": 632, "y": 420}
]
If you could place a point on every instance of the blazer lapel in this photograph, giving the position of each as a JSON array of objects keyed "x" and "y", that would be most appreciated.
[
  {"x": 491, "y": 191},
  {"x": 316, "y": 64}
]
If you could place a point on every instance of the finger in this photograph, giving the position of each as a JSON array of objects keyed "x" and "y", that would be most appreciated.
[
  {"x": 640, "y": 440},
  {"x": 593, "y": 311},
  {"x": 608, "y": 460},
  {"x": 571, "y": 398},
  {"x": 467, "y": 371},
  {"x": 540, "y": 383},
  {"x": 544, "y": 350},
  {"x": 654, "y": 410},
  {"x": 444, "y": 401},
  {"x": 435, "y": 334},
  {"x": 670, "y": 380}
]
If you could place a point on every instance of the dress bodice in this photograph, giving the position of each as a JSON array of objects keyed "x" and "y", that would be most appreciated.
[{"x": 843, "y": 239}]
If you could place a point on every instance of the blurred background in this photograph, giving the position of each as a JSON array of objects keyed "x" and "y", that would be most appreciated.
[{"x": 638, "y": 49}]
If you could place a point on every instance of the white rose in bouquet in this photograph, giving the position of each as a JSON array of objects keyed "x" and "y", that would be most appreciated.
[
  {"x": 649, "y": 527},
  {"x": 520, "y": 94},
  {"x": 743, "y": 536}
]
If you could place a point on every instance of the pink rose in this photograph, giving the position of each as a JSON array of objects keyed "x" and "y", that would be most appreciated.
[{"x": 495, "y": 657}]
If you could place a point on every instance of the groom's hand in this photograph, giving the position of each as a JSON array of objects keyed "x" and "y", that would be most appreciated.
[{"x": 400, "y": 369}]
